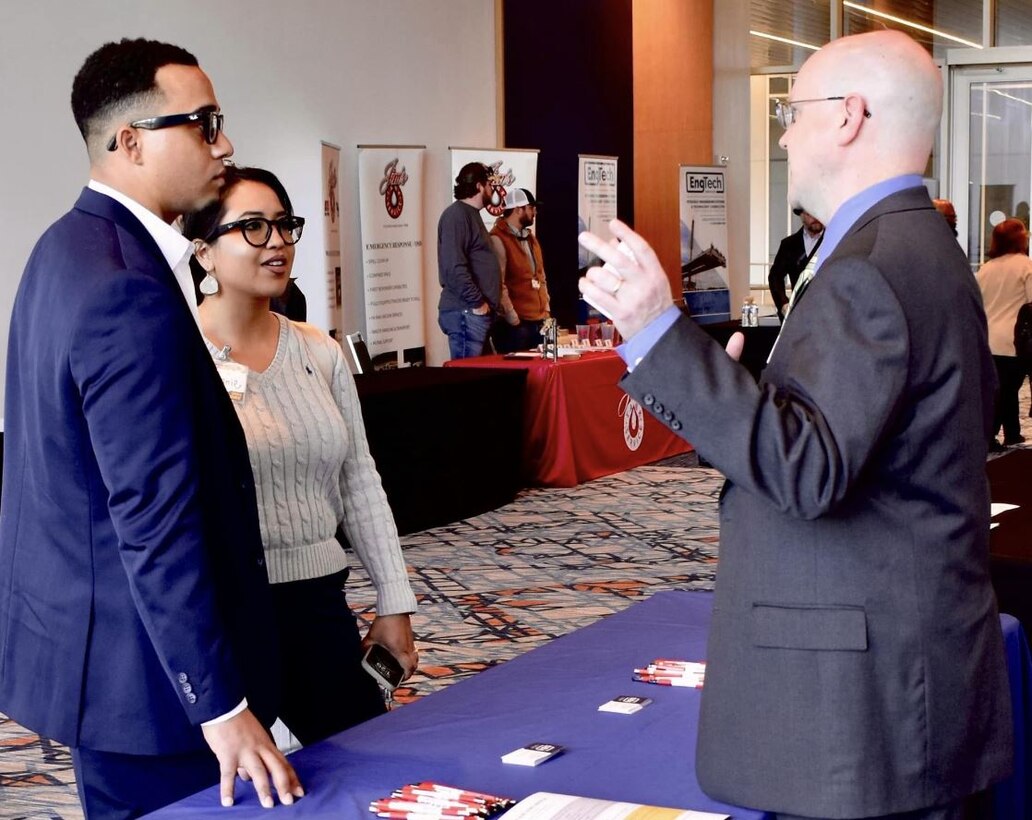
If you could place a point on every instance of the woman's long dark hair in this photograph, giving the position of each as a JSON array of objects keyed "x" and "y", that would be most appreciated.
[{"x": 200, "y": 224}]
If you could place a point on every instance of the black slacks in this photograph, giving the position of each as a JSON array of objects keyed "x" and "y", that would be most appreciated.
[
  {"x": 324, "y": 688},
  {"x": 1011, "y": 373}
]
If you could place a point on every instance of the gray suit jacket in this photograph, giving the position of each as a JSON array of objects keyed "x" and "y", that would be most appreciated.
[{"x": 856, "y": 663}]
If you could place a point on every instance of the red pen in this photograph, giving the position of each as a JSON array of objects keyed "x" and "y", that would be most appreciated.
[
  {"x": 451, "y": 790},
  {"x": 688, "y": 684},
  {"x": 409, "y": 805}
]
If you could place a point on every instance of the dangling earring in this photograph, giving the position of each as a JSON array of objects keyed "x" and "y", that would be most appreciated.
[{"x": 209, "y": 285}]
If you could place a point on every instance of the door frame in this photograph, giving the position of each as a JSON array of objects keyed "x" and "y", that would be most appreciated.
[{"x": 964, "y": 68}]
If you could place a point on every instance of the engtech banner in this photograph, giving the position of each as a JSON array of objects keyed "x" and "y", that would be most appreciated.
[
  {"x": 704, "y": 242},
  {"x": 596, "y": 200},
  {"x": 390, "y": 181}
]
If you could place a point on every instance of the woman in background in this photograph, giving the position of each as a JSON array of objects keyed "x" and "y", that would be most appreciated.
[
  {"x": 297, "y": 403},
  {"x": 1006, "y": 284}
]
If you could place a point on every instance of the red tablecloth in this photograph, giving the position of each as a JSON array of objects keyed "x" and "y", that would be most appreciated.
[{"x": 577, "y": 424}]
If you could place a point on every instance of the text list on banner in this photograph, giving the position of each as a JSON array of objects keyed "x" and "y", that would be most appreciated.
[
  {"x": 390, "y": 181},
  {"x": 596, "y": 206},
  {"x": 508, "y": 168},
  {"x": 331, "y": 234},
  {"x": 704, "y": 242}
]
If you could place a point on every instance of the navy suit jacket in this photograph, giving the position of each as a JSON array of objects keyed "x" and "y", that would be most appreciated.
[
  {"x": 134, "y": 602},
  {"x": 855, "y": 661}
]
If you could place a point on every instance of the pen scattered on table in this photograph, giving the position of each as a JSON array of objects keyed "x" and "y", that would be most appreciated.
[
  {"x": 668, "y": 672},
  {"x": 431, "y": 801}
]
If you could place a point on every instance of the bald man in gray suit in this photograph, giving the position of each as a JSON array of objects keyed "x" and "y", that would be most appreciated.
[{"x": 856, "y": 663}]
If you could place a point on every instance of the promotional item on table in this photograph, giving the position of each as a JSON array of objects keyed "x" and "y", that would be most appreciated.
[{"x": 668, "y": 672}]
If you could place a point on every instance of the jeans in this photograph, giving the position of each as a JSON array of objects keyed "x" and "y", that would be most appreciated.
[{"x": 467, "y": 332}]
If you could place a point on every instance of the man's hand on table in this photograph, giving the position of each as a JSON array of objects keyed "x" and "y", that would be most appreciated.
[{"x": 244, "y": 747}]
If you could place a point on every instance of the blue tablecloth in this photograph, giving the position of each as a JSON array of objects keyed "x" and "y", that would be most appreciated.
[
  {"x": 551, "y": 695},
  {"x": 1012, "y": 799}
]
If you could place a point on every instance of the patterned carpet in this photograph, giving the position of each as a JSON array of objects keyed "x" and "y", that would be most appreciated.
[
  {"x": 489, "y": 588},
  {"x": 492, "y": 587}
]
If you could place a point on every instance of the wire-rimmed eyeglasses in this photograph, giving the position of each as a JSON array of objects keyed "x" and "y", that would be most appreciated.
[
  {"x": 257, "y": 230},
  {"x": 209, "y": 120},
  {"x": 784, "y": 110}
]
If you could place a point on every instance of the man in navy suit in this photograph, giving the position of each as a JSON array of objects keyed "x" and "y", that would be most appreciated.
[
  {"x": 855, "y": 665},
  {"x": 134, "y": 599}
]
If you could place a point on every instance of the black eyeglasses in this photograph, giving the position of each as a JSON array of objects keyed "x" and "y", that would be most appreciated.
[
  {"x": 209, "y": 120},
  {"x": 257, "y": 230}
]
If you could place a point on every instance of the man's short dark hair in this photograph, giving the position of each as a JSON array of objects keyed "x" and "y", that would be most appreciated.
[
  {"x": 117, "y": 77},
  {"x": 471, "y": 175}
]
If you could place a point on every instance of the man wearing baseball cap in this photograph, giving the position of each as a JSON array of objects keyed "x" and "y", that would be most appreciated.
[{"x": 524, "y": 299}]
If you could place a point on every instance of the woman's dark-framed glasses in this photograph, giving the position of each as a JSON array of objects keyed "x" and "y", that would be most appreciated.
[
  {"x": 257, "y": 229},
  {"x": 209, "y": 120}
]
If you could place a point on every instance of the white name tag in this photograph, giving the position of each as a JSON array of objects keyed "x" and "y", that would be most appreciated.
[{"x": 234, "y": 379}]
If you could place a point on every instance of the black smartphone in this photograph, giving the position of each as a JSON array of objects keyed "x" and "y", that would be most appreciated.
[{"x": 383, "y": 666}]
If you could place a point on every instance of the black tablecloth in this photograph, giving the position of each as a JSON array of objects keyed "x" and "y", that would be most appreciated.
[
  {"x": 1010, "y": 544},
  {"x": 446, "y": 440},
  {"x": 758, "y": 342}
]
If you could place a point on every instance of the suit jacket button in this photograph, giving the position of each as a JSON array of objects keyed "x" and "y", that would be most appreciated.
[
  {"x": 675, "y": 425},
  {"x": 668, "y": 416},
  {"x": 657, "y": 407},
  {"x": 187, "y": 688},
  {"x": 191, "y": 697},
  {"x": 648, "y": 399},
  {"x": 182, "y": 678}
]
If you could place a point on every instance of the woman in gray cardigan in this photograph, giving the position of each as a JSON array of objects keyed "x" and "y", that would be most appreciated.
[{"x": 297, "y": 403}]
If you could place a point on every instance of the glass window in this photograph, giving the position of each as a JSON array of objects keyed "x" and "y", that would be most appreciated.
[
  {"x": 1013, "y": 22},
  {"x": 938, "y": 25},
  {"x": 777, "y": 25},
  {"x": 779, "y": 219},
  {"x": 1000, "y": 161}
]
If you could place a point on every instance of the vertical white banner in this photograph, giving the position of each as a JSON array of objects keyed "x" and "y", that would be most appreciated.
[
  {"x": 331, "y": 233},
  {"x": 596, "y": 200},
  {"x": 509, "y": 168},
  {"x": 596, "y": 205},
  {"x": 703, "y": 214},
  {"x": 390, "y": 183}
]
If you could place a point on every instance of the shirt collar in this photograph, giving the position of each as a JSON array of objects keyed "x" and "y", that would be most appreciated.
[
  {"x": 856, "y": 206},
  {"x": 174, "y": 247},
  {"x": 519, "y": 233}
]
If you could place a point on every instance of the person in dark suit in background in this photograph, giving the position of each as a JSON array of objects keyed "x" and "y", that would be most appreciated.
[
  {"x": 855, "y": 665},
  {"x": 793, "y": 256},
  {"x": 134, "y": 603}
]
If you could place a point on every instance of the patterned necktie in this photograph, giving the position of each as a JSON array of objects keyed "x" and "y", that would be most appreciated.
[{"x": 801, "y": 283}]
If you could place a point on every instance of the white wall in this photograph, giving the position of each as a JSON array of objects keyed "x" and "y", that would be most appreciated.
[{"x": 287, "y": 75}]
